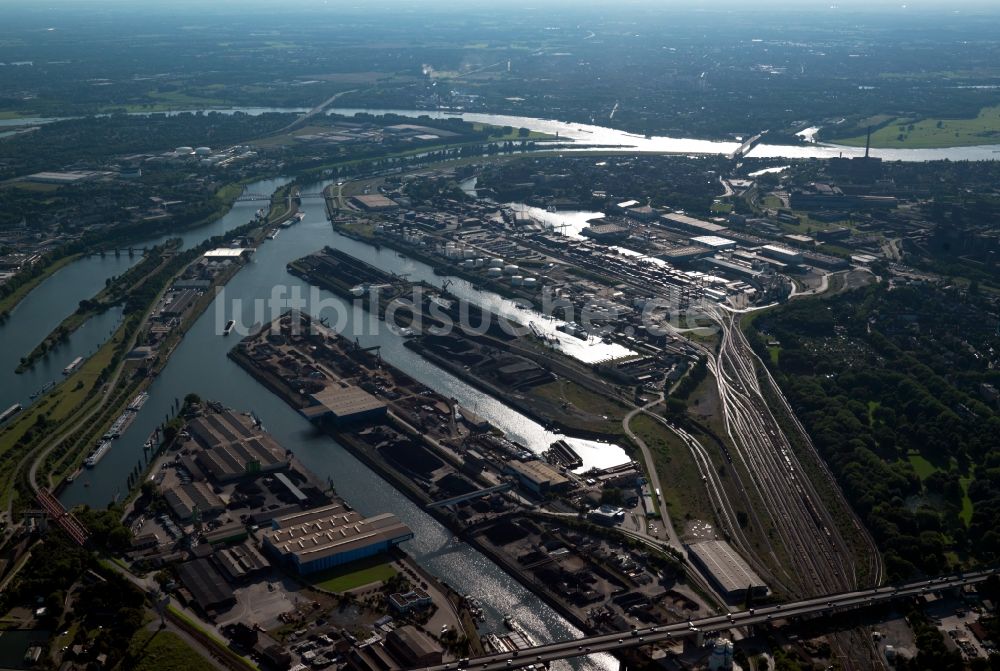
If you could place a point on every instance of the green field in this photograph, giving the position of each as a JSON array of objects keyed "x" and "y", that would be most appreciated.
[
  {"x": 901, "y": 133},
  {"x": 355, "y": 574},
  {"x": 923, "y": 468},
  {"x": 164, "y": 651}
]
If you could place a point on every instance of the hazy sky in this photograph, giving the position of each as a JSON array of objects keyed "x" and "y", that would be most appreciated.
[{"x": 667, "y": 5}]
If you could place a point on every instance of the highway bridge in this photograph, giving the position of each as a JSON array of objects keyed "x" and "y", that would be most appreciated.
[
  {"x": 706, "y": 625},
  {"x": 745, "y": 148},
  {"x": 470, "y": 495}
]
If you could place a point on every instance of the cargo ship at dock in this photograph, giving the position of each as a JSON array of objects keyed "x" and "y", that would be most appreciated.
[
  {"x": 294, "y": 219},
  {"x": 73, "y": 365},
  {"x": 10, "y": 412},
  {"x": 138, "y": 402},
  {"x": 97, "y": 454},
  {"x": 44, "y": 389}
]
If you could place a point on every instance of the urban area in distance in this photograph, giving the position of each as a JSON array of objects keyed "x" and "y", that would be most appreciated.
[{"x": 477, "y": 336}]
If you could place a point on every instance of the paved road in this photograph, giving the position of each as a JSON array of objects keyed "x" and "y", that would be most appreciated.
[{"x": 654, "y": 477}]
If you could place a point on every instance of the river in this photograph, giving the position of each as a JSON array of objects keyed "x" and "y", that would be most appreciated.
[
  {"x": 615, "y": 138},
  {"x": 60, "y": 294},
  {"x": 200, "y": 365},
  {"x": 633, "y": 142}
]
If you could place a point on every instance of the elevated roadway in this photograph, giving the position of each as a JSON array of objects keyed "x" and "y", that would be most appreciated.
[{"x": 634, "y": 638}]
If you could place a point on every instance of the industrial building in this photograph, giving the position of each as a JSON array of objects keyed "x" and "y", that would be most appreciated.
[
  {"x": 605, "y": 232},
  {"x": 606, "y": 515},
  {"x": 716, "y": 242},
  {"x": 318, "y": 539},
  {"x": 179, "y": 303},
  {"x": 404, "y": 647},
  {"x": 783, "y": 254},
  {"x": 222, "y": 253},
  {"x": 537, "y": 476},
  {"x": 206, "y": 585},
  {"x": 690, "y": 224},
  {"x": 727, "y": 570},
  {"x": 241, "y": 563},
  {"x": 404, "y": 602},
  {"x": 195, "y": 497},
  {"x": 233, "y": 447},
  {"x": 344, "y": 403},
  {"x": 374, "y": 203}
]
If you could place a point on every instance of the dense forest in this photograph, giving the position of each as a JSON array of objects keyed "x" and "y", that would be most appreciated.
[
  {"x": 894, "y": 384},
  {"x": 90, "y": 141}
]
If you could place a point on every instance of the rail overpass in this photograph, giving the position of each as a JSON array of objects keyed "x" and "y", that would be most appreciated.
[
  {"x": 58, "y": 513},
  {"x": 250, "y": 197},
  {"x": 648, "y": 635},
  {"x": 502, "y": 487}
]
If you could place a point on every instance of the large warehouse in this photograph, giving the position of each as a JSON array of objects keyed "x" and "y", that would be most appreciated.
[
  {"x": 727, "y": 570},
  {"x": 344, "y": 403},
  {"x": 329, "y": 536},
  {"x": 233, "y": 447}
]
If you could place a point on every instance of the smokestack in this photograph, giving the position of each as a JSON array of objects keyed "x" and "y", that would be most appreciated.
[{"x": 868, "y": 142}]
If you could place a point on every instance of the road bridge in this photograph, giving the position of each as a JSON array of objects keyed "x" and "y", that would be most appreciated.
[
  {"x": 745, "y": 148},
  {"x": 479, "y": 493},
  {"x": 634, "y": 638}
]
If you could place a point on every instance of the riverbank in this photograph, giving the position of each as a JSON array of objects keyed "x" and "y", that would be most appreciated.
[{"x": 11, "y": 300}]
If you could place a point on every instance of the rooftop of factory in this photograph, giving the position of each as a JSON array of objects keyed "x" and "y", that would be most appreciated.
[
  {"x": 726, "y": 567},
  {"x": 330, "y": 530},
  {"x": 539, "y": 473},
  {"x": 690, "y": 222},
  {"x": 227, "y": 252},
  {"x": 233, "y": 446},
  {"x": 375, "y": 201},
  {"x": 343, "y": 401},
  {"x": 713, "y": 241}
]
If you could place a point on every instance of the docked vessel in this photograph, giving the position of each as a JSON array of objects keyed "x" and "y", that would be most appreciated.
[
  {"x": 515, "y": 640},
  {"x": 10, "y": 412},
  {"x": 48, "y": 385},
  {"x": 73, "y": 365},
  {"x": 229, "y": 327},
  {"x": 138, "y": 402},
  {"x": 97, "y": 454}
]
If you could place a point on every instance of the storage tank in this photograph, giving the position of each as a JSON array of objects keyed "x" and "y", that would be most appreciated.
[
  {"x": 468, "y": 253},
  {"x": 468, "y": 263},
  {"x": 530, "y": 282},
  {"x": 510, "y": 269},
  {"x": 203, "y": 151},
  {"x": 516, "y": 280},
  {"x": 479, "y": 262},
  {"x": 493, "y": 272},
  {"x": 186, "y": 151},
  {"x": 496, "y": 263}
]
